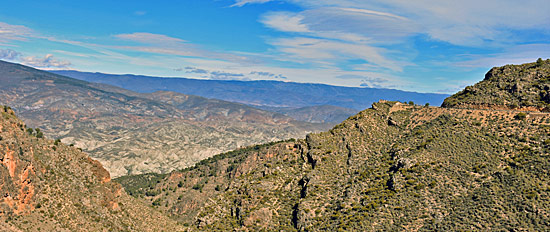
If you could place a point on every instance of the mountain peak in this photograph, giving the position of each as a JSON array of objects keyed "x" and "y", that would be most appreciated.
[{"x": 522, "y": 87}]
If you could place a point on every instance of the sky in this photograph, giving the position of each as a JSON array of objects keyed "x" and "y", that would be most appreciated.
[{"x": 423, "y": 46}]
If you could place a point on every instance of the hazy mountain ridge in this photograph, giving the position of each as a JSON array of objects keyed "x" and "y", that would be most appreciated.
[
  {"x": 392, "y": 167},
  {"x": 49, "y": 186},
  {"x": 260, "y": 93},
  {"x": 316, "y": 114},
  {"x": 131, "y": 132}
]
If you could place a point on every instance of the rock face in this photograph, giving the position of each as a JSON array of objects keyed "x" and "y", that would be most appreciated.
[
  {"x": 48, "y": 186},
  {"x": 520, "y": 87},
  {"x": 393, "y": 167},
  {"x": 132, "y": 133}
]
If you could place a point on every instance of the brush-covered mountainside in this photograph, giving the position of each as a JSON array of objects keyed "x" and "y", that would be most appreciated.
[
  {"x": 131, "y": 133},
  {"x": 524, "y": 86},
  {"x": 48, "y": 186},
  {"x": 260, "y": 93},
  {"x": 393, "y": 167}
]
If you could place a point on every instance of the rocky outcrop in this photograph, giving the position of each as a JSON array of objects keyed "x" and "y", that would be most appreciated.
[{"x": 522, "y": 87}]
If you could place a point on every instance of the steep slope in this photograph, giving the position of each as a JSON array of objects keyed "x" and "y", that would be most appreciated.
[
  {"x": 49, "y": 186},
  {"x": 131, "y": 133},
  {"x": 260, "y": 93},
  {"x": 393, "y": 167},
  {"x": 523, "y": 86}
]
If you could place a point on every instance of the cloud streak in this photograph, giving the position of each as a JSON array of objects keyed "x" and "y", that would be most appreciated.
[
  {"x": 167, "y": 45},
  {"x": 10, "y": 32},
  {"x": 150, "y": 38},
  {"x": 240, "y": 3}
]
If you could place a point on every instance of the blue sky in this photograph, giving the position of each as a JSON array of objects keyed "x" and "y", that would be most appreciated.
[{"x": 425, "y": 46}]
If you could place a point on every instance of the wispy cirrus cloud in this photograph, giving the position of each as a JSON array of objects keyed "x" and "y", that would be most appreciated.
[
  {"x": 10, "y": 32},
  {"x": 324, "y": 51},
  {"x": 324, "y": 40},
  {"x": 150, "y": 38},
  {"x": 466, "y": 23},
  {"x": 240, "y": 3},
  {"x": 167, "y": 45},
  {"x": 512, "y": 55}
]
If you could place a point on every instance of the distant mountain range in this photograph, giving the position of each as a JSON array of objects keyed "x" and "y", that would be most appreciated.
[
  {"x": 130, "y": 132},
  {"x": 260, "y": 93}
]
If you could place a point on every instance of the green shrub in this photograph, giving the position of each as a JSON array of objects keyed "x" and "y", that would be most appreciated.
[{"x": 520, "y": 116}]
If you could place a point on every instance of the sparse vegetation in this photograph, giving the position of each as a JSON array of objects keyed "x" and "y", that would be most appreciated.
[{"x": 430, "y": 168}]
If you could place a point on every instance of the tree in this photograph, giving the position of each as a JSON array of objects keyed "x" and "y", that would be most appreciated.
[{"x": 539, "y": 62}]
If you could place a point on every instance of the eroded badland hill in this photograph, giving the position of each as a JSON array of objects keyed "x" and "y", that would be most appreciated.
[{"x": 48, "y": 186}]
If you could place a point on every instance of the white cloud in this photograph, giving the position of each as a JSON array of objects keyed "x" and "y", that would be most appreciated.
[
  {"x": 285, "y": 21},
  {"x": 47, "y": 61},
  {"x": 9, "y": 54}
]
